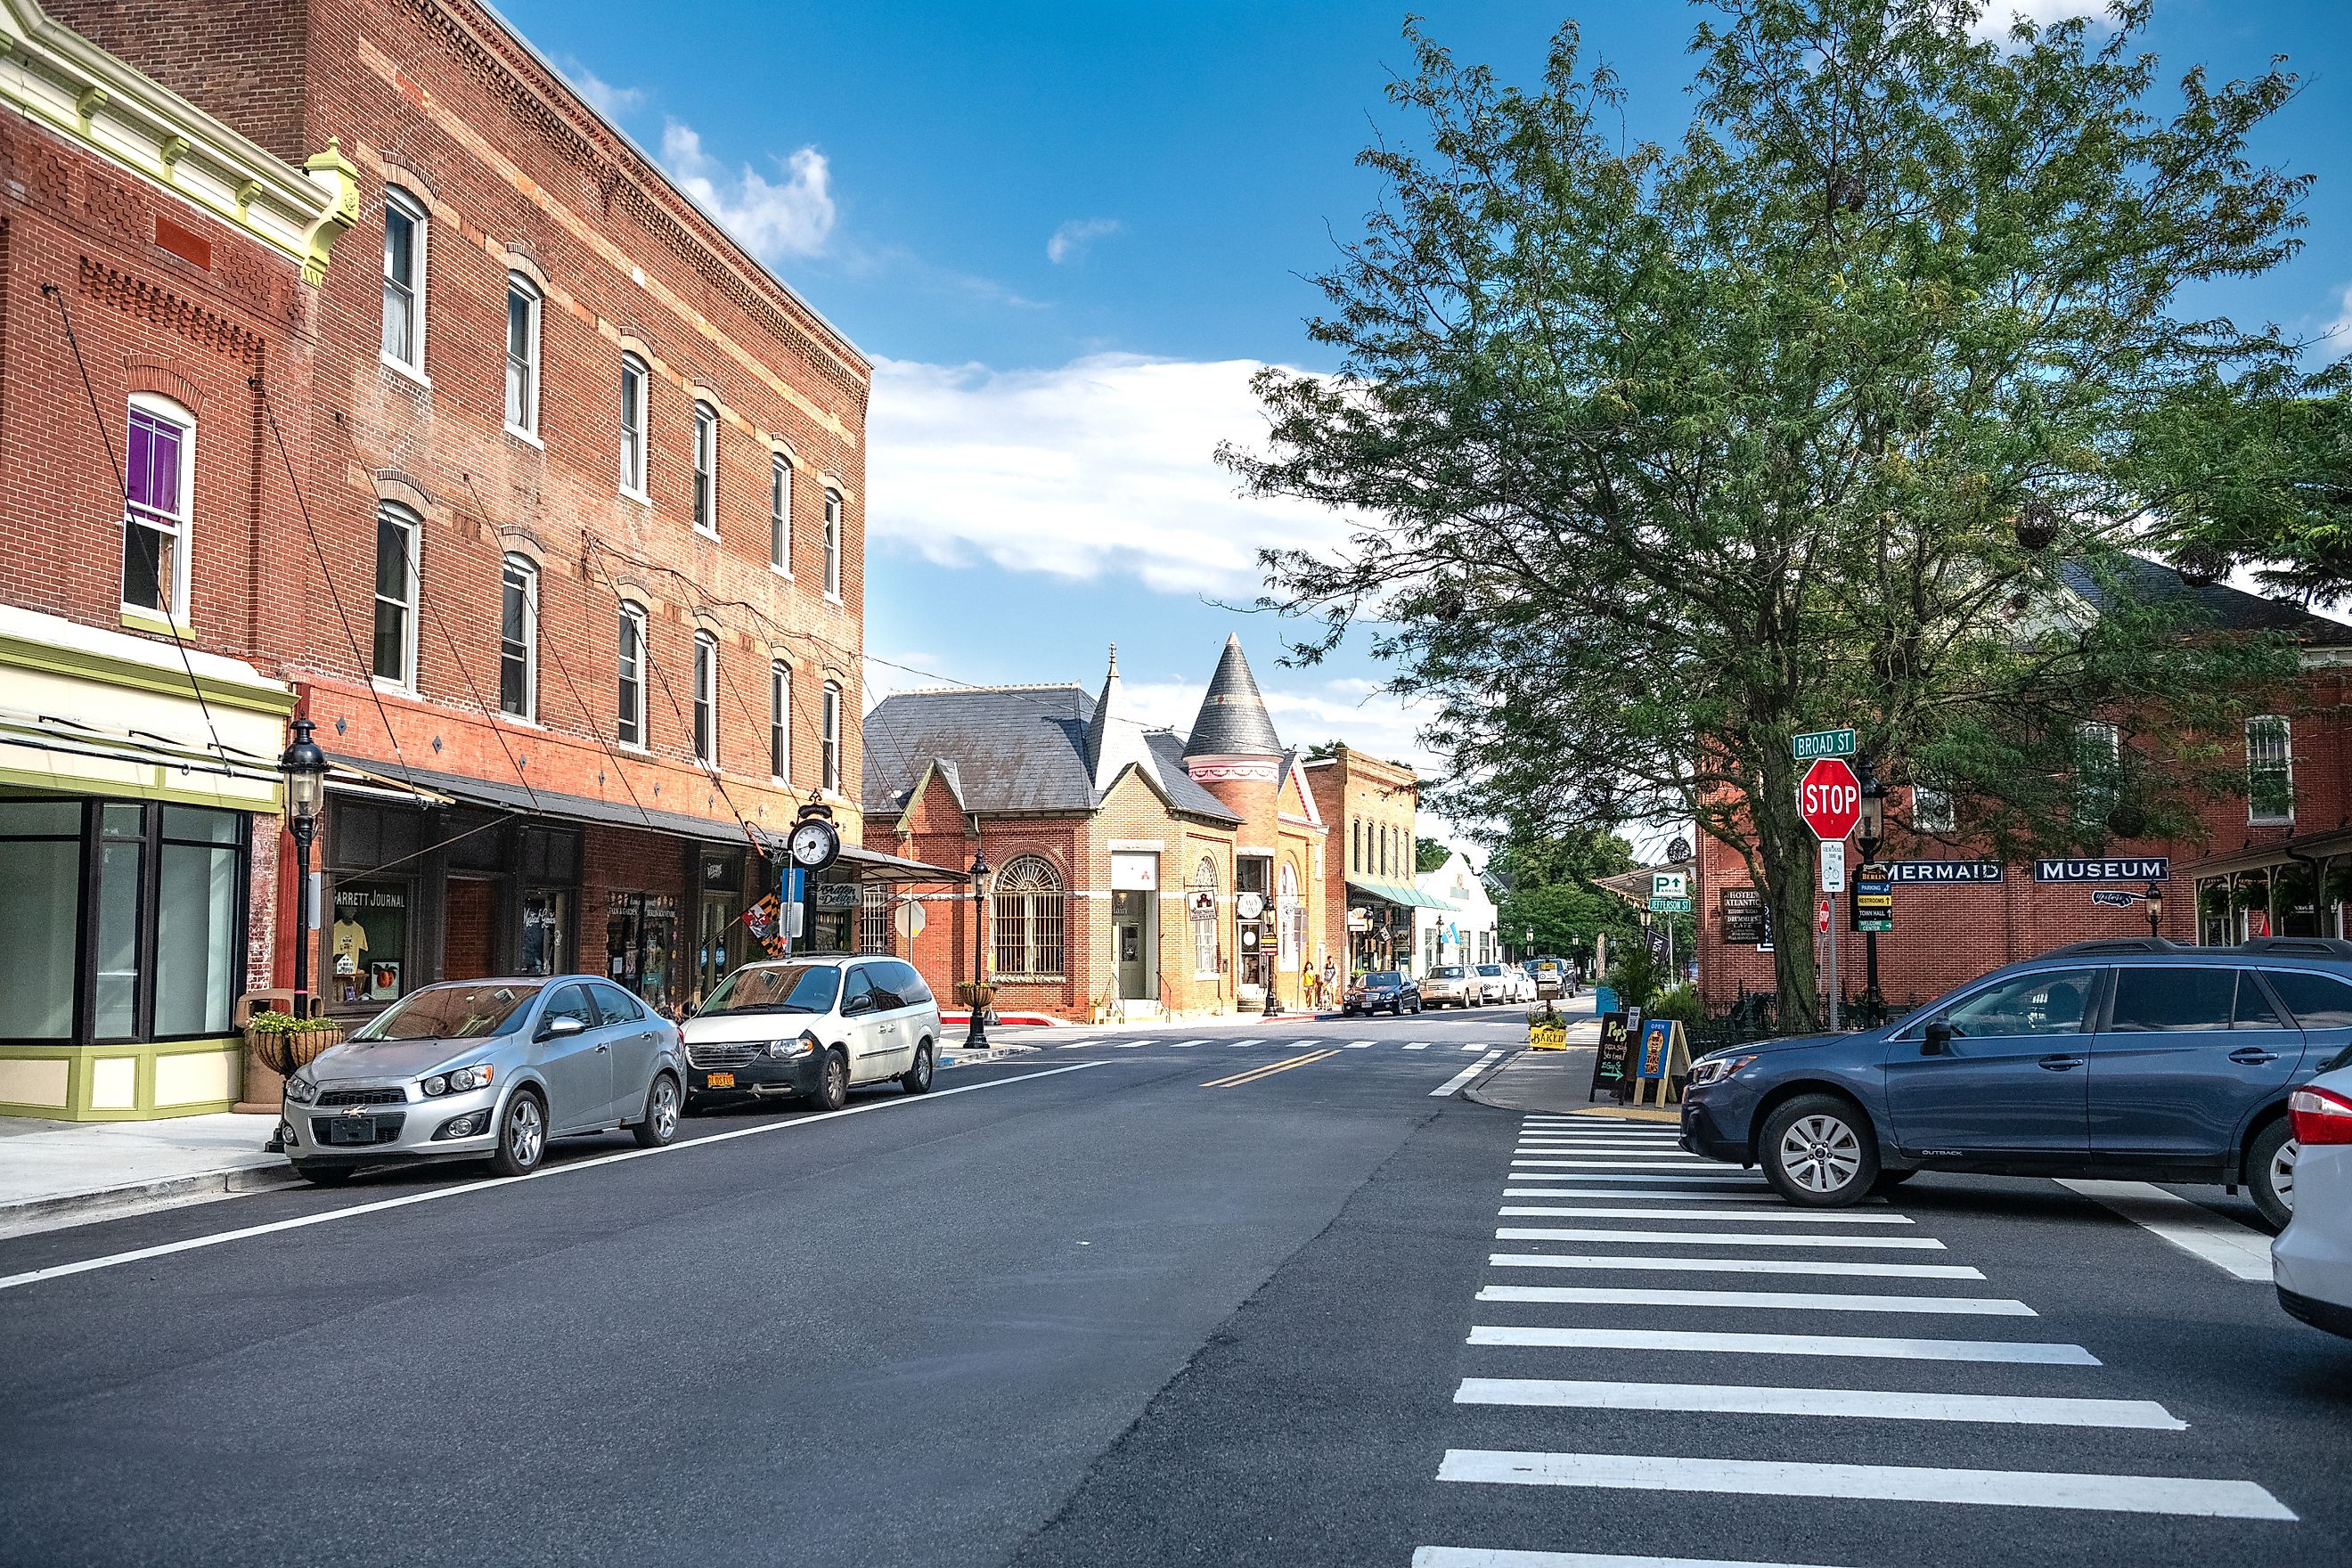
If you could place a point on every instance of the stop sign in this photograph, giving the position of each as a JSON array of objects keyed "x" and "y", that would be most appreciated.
[{"x": 1829, "y": 798}]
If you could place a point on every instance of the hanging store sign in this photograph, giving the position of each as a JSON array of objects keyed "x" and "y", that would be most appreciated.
[
  {"x": 2153, "y": 868},
  {"x": 836, "y": 895}
]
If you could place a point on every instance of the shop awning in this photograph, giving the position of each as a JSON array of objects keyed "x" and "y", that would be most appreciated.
[
  {"x": 1396, "y": 893},
  {"x": 2316, "y": 846},
  {"x": 873, "y": 865}
]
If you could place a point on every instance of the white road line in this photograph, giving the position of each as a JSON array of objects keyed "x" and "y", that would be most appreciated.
[
  {"x": 88, "y": 1264},
  {"x": 1304, "y": 1044},
  {"x": 1599, "y": 1172},
  {"x": 1446, "y": 1088},
  {"x": 1718, "y": 1238},
  {"x": 2191, "y": 1226},
  {"x": 1181, "y": 1045},
  {"x": 1647, "y": 1197},
  {"x": 1609, "y": 1162},
  {"x": 1812, "y": 1266},
  {"x": 1074, "y": 1044},
  {"x": 1359, "y": 1045},
  {"x": 1418, "y": 1045},
  {"x": 1769, "y": 1300},
  {"x": 1561, "y": 1146},
  {"x": 2139, "y": 1414},
  {"x": 2180, "y": 1495},
  {"x": 1474, "y": 1048},
  {"x": 2020, "y": 1351},
  {"x": 1131, "y": 1044},
  {"x": 1486, "y": 1557},
  {"x": 1782, "y": 1216},
  {"x": 1237, "y": 1045}
]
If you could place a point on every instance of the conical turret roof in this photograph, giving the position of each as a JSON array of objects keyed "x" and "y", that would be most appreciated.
[
  {"x": 1233, "y": 719},
  {"x": 1114, "y": 737}
]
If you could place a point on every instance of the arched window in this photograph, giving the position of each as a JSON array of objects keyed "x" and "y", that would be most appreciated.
[
  {"x": 396, "y": 534},
  {"x": 634, "y": 382},
  {"x": 706, "y": 467},
  {"x": 833, "y": 543},
  {"x": 158, "y": 487},
  {"x": 629, "y": 727},
  {"x": 1356, "y": 845},
  {"x": 705, "y": 699},
  {"x": 1205, "y": 921},
  {"x": 1028, "y": 911},
  {"x": 829, "y": 737},
  {"x": 780, "y": 514},
  {"x": 780, "y": 720},
  {"x": 522, "y": 355},
  {"x": 1289, "y": 920},
  {"x": 404, "y": 280},
  {"x": 519, "y": 639}
]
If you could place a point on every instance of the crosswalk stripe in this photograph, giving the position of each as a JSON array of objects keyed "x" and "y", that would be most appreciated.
[
  {"x": 2191, "y": 1226},
  {"x": 2030, "y": 1352},
  {"x": 1304, "y": 1044},
  {"x": 1703, "y": 1198},
  {"x": 1812, "y": 1266},
  {"x": 1596, "y": 1172},
  {"x": 1659, "y": 1150},
  {"x": 1180, "y": 1044},
  {"x": 1075, "y": 1044},
  {"x": 2139, "y": 1414},
  {"x": 1445, "y": 1089},
  {"x": 1488, "y": 1557},
  {"x": 1237, "y": 1045},
  {"x": 1418, "y": 1045},
  {"x": 1784, "y": 1215},
  {"x": 1357, "y": 1045},
  {"x": 1130, "y": 1045},
  {"x": 1474, "y": 1048},
  {"x": 1718, "y": 1238},
  {"x": 2178, "y": 1495},
  {"x": 1611, "y": 1163},
  {"x": 1768, "y": 1301}
]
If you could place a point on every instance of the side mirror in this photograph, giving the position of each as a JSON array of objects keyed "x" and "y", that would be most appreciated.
[
  {"x": 556, "y": 1027},
  {"x": 857, "y": 1004},
  {"x": 1938, "y": 1040}
]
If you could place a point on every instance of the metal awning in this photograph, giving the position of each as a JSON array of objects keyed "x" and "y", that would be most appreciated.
[
  {"x": 1397, "y": 893},
  {"x": 2317, "y": 845},
  {"x": 873, "y": 865}
]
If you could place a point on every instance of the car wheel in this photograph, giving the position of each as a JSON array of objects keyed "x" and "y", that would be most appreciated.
[
  {"x": 661, "y": 1123},
  {"x": 1820, "y": 1151},
  {"x": 324, "y": 1175},
  {"x": 917, "y": 1079},
  {"x": 522, "y": 1138},
  {"x": 2270, "y": 1172},
  {"x": 832, "y": 1087}
]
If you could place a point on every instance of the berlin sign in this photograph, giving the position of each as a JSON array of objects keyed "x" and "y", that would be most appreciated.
[{"x": 1829, "y": 798}]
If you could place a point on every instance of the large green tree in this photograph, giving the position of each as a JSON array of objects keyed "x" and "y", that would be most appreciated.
[{"x": 1847, "y": 409}]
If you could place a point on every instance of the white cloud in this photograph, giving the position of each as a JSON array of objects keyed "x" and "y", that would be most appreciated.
[
  {"x": 1999, "y": 15},
  {"x": 1071, "y": 239},
  {"x": 607, "y": 100},
  {"x": 2336, "y": 338},
  {"x": 772, "y": 220},
  {"x": 1105, "y": 465}
]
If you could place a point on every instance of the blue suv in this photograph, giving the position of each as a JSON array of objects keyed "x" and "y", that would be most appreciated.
[{"x": 2135, "y": 1058}]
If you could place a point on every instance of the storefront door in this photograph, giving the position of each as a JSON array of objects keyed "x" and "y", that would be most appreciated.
[
  {"x": 469, "y": 943},
  {"x": 641, "y": 947}
]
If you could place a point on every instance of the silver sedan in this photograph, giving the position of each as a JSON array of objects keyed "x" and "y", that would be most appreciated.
[{"x": 486, "y": 1070}]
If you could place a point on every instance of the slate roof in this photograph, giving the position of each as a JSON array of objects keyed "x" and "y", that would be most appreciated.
[
  {"x": 1233, "y": 719},
  {"x": 2219, "y": 606},
  {"x": 1014, "y": 749}
]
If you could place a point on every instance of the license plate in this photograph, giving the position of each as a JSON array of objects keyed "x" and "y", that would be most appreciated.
[
  {"x": 351, "y": 1130},
  {"x": 719, "y": 1080}
]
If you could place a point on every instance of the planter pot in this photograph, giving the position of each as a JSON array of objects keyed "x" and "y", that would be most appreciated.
[{"x": 282, "y": 1054}]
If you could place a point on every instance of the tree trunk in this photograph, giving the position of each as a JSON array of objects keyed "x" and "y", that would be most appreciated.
[{"x": 1785, "y": 850}]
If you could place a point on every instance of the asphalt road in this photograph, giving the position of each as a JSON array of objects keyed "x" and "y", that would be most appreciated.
[{"x": 1085, "y": 1308}]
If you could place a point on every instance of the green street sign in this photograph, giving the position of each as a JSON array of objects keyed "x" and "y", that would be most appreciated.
[
  {"x": 1670, "y": 906},
  {"x": 1822, "y": 743}
]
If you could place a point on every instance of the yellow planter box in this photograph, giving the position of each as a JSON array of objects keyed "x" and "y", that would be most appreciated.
[{"x": 1543, "y": 1036}]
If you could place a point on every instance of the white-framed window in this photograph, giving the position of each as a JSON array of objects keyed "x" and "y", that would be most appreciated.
[
  {"x": 634, "y": 382},
  {"x": 1289, "y": 922},
  {"x": 705, "y": 699},
  {"x": 706, "y": 467},
  {"x": 629, "y": 718},
  {"x": 397, "y": 540},
  {"x": 1931, "y": 809},
  {"x": 523, "y": 311},
  {"x": 831, "y": 733},
  {"x": 1204, "y": 920},
  {"x": 404, "y": 280},
  {"x": 2270, "y": 770},
  {"x": 158, "y": 485},
  {"x": 519, "y": 638},
  {"x": 779, "y": 515},
  {"x": 780, "y": 720},
  {"x": 833, "y": 543}
]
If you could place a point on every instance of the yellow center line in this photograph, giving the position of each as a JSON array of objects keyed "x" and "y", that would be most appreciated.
[{"x": 1254, "y": 1074}]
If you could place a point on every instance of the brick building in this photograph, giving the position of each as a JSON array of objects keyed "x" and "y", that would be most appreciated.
[
  {"x": 545, "y": 502},
  {"x": 2267, "y": 862},
  {"x": 157, "y": 286},
  {"x": 1367, "y": 890},
  {"x": 1137, "y": 872}
]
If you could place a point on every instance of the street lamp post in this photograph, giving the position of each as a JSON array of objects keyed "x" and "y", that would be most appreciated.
[
  {"x": 1870, "y": 832},
  {"x": 305, "y": 767},
  {"x": 2154, "y": 907},
  {"x": 976, "y": 1036}
]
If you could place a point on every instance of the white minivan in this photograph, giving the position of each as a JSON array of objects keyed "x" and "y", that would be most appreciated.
[{"x": 811, "y": 1029}]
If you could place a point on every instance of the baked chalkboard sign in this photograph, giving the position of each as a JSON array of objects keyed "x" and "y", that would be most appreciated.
[{"x": 1612, "y": 1062}]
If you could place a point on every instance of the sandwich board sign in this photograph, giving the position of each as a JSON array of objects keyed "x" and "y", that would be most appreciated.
[
  {"x": 1612, "y": 1061},
  {"x": 1664, "y": 1058}
]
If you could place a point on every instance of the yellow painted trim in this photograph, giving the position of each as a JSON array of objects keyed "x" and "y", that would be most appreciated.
[
  {"x": 24, "y": 653},
  {"x": 80, "y": 1065},
  {"x": 115, "y": 789}
]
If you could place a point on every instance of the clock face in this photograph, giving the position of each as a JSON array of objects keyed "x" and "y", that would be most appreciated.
[{"x": 814, "y": 845}]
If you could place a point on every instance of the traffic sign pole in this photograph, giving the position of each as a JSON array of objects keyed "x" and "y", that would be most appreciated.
[{"x": 1834, "y": 1023}]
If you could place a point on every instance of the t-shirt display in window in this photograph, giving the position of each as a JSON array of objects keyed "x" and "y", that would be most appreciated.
[{"x": 369, "y": 938}]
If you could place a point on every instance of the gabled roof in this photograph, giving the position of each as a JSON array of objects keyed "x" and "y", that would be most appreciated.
[
  {"x": 1233, "y": 719},
  {"x": 1115, "y": 737},
  {"x": 2218, "y": 605}
]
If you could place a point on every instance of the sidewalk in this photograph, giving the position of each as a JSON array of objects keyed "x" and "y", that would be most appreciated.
[
  {"x": 1555, "y": 1083},
  {"x": 59, "y": 1173}
]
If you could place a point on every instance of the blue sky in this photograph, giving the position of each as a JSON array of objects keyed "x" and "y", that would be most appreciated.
[{"x": 1066, "y": 231}]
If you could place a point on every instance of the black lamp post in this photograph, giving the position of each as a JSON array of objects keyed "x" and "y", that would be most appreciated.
[
  {"x": 1870, "y": 832},
  {"x": 305, "y": 767},
  {"x": 976, "y": 1037},
  {"x": 2154, "y": 907}
]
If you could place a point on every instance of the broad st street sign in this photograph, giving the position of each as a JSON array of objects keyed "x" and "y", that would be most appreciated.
[{"x": 1821, "y": 743}]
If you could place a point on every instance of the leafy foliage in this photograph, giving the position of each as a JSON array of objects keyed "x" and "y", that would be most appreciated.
[
  {"x": 1428, "y": 855},
  {"x": 1847, "y": 410}
]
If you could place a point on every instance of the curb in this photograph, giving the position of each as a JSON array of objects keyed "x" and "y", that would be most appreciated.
[{"x": 113, "y": 1203}]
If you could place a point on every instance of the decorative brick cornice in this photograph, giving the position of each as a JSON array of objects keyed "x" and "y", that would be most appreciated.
[{"x": 152, "y": 302}]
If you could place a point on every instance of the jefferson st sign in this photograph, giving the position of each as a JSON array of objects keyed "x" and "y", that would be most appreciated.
[{"x": 1829, "y": 798}]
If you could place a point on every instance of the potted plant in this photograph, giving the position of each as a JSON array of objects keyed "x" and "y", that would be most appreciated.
[
  {"x": 2253, "y": 893},
  {"x": 275, "y": 1045}
]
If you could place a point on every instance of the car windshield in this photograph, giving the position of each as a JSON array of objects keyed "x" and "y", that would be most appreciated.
[
  {"x": 1447, "y": 972},
  {"x": 1490, "y": 969},
  {"x": 452, "y": 1013},
  {"x": 1387, "y": 977},
  {"x": 777, "y": 988}
]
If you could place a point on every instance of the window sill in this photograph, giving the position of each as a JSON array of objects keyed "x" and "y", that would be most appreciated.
[
  {"x": 783, "y": 571},
  {"x": 2270, "y": 821},
  {"x": 138, "y": 618},
  {"x": 709, "y": 533},
  {"x": 640, "y": 496},
  {"x": 526, "y": 436},
  {"x": 397, "y": 687},
  {"x": 834, "y": 599},
  {"x": 635, "y": 748},
  {"x": 405, "y": 369},
  {"x": 524, "y": 720}
]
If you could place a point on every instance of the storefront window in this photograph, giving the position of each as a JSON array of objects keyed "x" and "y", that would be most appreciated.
[
  {"x": 198, "y": 943},
  {"x": 369, "y": 944},
  {"x": 641, "y": 946},
  {"x": 122, "y": 858},
  {"x": 546, "y": 932},
  {"x": 39, "y": 901}
]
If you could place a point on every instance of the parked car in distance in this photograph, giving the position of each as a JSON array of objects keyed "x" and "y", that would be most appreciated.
[
  {"x": 813, "y": 1029},
  {"x": 2311, "y": 1262},
  {"x": 1450, "y": 985},
  {"x": 1493, "y": 985},
  {"x": 1523, "y": 984},
  {"x": 1382, "y": 988},
  {"x": 2132, "y": 1058},
  {"x": 485, "y": 1070}
]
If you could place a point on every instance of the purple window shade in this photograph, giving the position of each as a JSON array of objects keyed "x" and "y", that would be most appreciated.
[{"x": 154, "y": 467}]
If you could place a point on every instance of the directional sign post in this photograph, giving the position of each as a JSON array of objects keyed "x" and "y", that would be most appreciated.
[{"x": 1829, "y": 798}]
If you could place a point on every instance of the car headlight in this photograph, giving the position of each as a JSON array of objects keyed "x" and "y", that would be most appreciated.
[
  {"x": 302, "y": 1090},
  {"x": 799, "y": 1045},
  {"x": 1715, "y": 1069},
  {"x": 463, "y": 1080}
]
